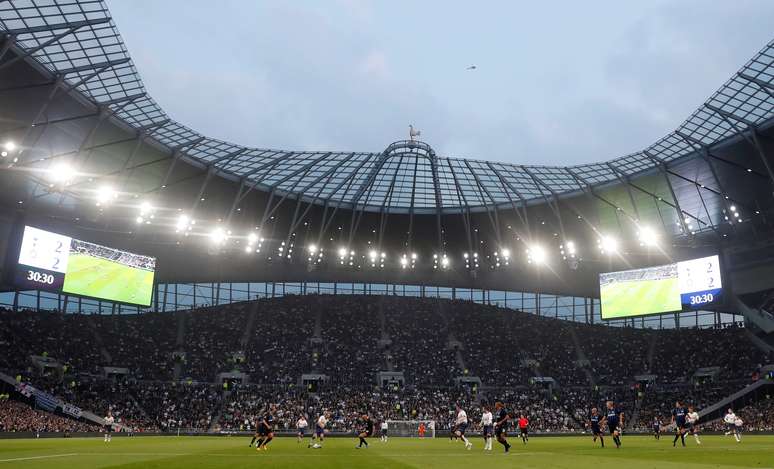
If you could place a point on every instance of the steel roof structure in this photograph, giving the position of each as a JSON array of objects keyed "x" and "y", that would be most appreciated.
[{"x": 78, "y": 42}]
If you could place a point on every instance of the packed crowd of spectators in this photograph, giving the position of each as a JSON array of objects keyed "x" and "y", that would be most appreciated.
[
  {"x": 433, "y": 342},
  {"x": 279, "y": 348},
  {"x": 350, "y": 333},
  {"x": 19, "y": 417},
  {"x": 501, "y": 346},
  {"x": 679, "y": 352},
  {"x": 420, "y": 341},
  {"x": 212, "y": 338},
  {"x": 505, "y": 347}
]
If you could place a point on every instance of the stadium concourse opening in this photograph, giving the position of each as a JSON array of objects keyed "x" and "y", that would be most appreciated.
[{"x": 208, "y": 303}]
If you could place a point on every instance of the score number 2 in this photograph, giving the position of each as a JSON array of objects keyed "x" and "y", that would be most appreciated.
[{"x": 38, "y": 277}]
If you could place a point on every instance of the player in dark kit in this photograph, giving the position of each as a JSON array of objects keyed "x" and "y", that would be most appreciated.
[
  {"x": 679, "y": 414},
  {"x": 366, "y": 430},
  {"x": 657, "y": 427},
  {"x": 501, "y": 425},
  {"x": 265, "y": 430},
  {"x": 594, "y": 423},
  {"x": 614, "y": 419}
]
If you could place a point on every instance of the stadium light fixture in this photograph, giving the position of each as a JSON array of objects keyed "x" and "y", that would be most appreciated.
[
  {"x": 145, "y": 208},
  {"x": 8, "y": 147},
  {"x": 61, "y": 173},
  {"x": 375, "y": 257},
  {"x": 648, "y": 236},
  {"x": 471, "y": 260},
  {"x": 442, "y": 261},
  {"x": 183, "y": 223},
  {"x": 219, "y": 235},
  {"x": 105, "y": 195},
  {"x": 408, "y": 260},
  {"x": 607, "y": 244},
  {"x": 536, "y": 254},
  {"x": 568, "y": 250}
]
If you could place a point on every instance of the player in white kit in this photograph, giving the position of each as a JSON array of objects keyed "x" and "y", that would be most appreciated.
[
  {"x": 384, "y": 426},
  {"x": 693, "y": 423},
  {"x": 319, "y": 431},
  {"x": 738, "y": 423},
  {"x": 486, "y": 428},
  {"x": 301, "y": 425},
  {"x": 460, "y": 425},
  {"x": 730, "y": 420},
  {"x": 109, "y": 421}
]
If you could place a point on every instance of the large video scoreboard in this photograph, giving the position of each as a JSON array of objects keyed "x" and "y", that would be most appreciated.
[
  {"x": 680, "y": 286},
  {"x": 51, "y": 261}
]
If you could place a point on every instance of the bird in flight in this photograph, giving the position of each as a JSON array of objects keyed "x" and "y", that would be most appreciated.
[{"x": 472, "y": 67}]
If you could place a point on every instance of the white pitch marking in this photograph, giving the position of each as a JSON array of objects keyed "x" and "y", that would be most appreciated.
[{"x": 29, "y": 458}]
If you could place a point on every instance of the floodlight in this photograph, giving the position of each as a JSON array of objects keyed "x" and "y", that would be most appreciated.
[
  {"x": 218, "y": 235},
  {"x": 608, "y": 244},
  {"x": 648, "y": 236},
  {"x": 145, "y": 207},
  {"x": 105, "y": 195},
  {"x": 537, "y": 254},
  {"x": 61, "y": 173},
  {"x": 182, "y": 223}
]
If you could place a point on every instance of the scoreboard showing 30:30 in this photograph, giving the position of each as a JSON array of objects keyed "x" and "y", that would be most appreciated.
[{"x": 55, "y": 262}]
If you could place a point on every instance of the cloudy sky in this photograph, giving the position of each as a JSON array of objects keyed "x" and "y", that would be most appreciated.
[{"x": 556, "y": 82}]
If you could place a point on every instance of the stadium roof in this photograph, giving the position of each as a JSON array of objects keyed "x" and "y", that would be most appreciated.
[{"x": 78, "y": 42}]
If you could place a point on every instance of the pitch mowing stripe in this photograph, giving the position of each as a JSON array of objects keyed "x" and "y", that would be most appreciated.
[{"x": 30, "y": 458}]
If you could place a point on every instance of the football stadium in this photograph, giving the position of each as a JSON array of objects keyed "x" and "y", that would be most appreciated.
[{"x": 319, "y": 295}]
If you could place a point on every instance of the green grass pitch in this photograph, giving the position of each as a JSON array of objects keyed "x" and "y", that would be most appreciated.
[
  {"x": 634, "y": 298},
  {"x": 638, "y": 452},
  {"x": 100, "y": 278}
]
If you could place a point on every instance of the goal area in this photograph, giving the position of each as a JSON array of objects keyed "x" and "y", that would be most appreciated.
[{"x": 410, "y": 428}]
